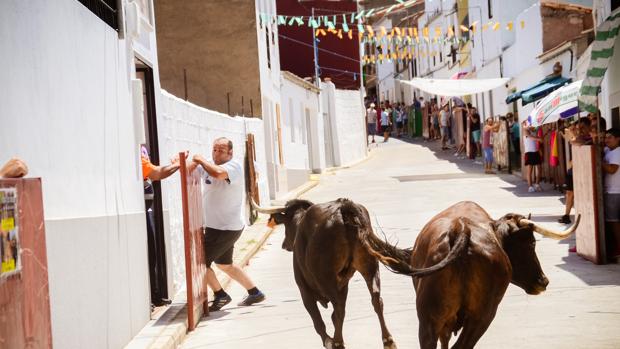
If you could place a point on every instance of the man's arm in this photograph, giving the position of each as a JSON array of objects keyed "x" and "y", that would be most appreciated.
[
  {"x": 213, "y": 170},
  {"x": 610, "y": 168},
  {"x": 160, "y": 172},
  {"x": 14, "y": 168}
]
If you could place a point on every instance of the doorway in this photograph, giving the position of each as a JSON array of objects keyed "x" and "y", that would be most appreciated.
[{"x": 155, "y": 231}]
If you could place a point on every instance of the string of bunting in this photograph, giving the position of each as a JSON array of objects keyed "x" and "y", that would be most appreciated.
[{"x": 331, "y": 22}]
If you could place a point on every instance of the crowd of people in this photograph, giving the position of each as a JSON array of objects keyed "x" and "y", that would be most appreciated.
[
  {"x": 540, "y": 146},
  {"x": 388, "y": 119}
]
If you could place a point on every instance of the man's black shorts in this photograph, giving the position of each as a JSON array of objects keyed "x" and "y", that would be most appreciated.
[
  {"x": 532, "y": 158},
  {"x": 568, "y": 185},
  {"x": 219, "y": 245}
]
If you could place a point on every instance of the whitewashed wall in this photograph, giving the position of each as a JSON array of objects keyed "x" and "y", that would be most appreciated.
[
  {"x": 385, "y": 69},
  {"x": 346, "y": 114},
  {"x": 301, "y": 110},
  {"x": 270, "y": 95},
  {"x": 65, "y": 108},
  {"x": 189, "y": 127},
  {"x": 295, "y": 101}
]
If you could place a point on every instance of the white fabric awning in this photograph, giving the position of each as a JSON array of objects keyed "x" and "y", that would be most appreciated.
[{"x": 450, "y": 87}]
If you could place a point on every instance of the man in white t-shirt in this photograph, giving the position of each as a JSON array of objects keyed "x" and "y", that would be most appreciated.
[
  {"x": 223, "y": 190},
  {"x": 611, "y": 163},
  {"x": 371, "y": 121}
]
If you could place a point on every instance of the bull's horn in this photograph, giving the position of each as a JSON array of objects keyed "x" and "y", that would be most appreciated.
[
  {"x": 267, "y": 210},
  {"x": 551, "y": 233}
]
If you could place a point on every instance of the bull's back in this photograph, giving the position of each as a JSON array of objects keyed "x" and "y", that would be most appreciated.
[{"x": 481, "y": 275}]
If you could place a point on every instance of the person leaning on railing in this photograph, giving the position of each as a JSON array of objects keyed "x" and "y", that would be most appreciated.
[{"x": 14, "y": 168}]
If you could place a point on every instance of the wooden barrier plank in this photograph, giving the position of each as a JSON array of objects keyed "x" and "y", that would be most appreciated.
[
  {"x": 587, "y": 188},
  {"x": 25, "y": 320},
  {"x": 195, "y": 267}
]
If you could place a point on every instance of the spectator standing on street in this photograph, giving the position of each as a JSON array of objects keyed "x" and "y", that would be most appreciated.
[
  {"x": 371, "y": 121},
  {"x": 487, "y": 146},
  {"x": 385, "y": 125},
  {"x": 444, "y": 121},
  {"x": 576, "y": 134},
  {"x": 532, "y": 159},
  {"x": 611, "y": 163},
  {"x": 474, "y": 119},
  {"x": 434, "y": 124},
  {"x": 399, "y": 120},
  {"x": 406, "y": 111},
  {"x": 223, "y": 187}
]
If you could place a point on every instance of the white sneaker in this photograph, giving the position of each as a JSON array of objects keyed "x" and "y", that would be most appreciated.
[
  {"x": 531, "y": 190},
  {"x": 538, "y": 187}
]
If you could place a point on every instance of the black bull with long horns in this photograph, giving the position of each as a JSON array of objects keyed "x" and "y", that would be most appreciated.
[{"x": 331, "y": 241}]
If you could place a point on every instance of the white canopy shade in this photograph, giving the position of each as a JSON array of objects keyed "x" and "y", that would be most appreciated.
[{"x": 450, "y": 87}]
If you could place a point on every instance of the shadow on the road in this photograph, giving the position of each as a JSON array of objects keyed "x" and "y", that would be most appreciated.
[
  {"x": 471, "y": 167},
  {"x": 590, "y": 273}
]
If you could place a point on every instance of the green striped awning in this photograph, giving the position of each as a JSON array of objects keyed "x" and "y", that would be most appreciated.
[{"x": 602, "y": 51}]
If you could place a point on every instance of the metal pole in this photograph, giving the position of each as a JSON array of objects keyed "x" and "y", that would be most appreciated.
[
  {"x": 316, "y": 56},
  {"x": 228, "y": 100},
  {"x": 185, "y": 81}
]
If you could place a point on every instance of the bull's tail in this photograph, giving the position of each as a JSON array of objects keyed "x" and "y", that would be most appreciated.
[
  {"x": 357, "y": 223},
  {"x": 398, "y": 260}
]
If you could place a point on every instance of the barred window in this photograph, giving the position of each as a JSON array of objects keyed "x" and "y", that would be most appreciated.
[{"x": 107, "y": 10}]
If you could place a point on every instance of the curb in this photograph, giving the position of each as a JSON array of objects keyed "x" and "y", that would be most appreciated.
[
  {"x": 299, "y": 191},
  {"x": 331, "y": 170}
]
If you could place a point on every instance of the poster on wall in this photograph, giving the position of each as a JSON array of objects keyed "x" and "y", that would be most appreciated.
[{"x": 9, "y": 232}]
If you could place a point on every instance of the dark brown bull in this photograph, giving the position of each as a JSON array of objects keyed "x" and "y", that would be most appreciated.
[
  {"x": 465, "y": 294},
  {"x": 330, "y": 242}
]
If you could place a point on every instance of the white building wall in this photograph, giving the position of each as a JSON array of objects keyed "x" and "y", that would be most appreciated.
[
  {"x": 346, "y": 113},
  {"x": 528, "y": 43},
  {"x": 301, "y": 110},
  {"x": 295, "y": 101},
  {"x": 385, "y": 69},
  {"x": 190, "y": 127},
  {"x": 270, "y": 93},
  {"x": 68, "y": 114}
]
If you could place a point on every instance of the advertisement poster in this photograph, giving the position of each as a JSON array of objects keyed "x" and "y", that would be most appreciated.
[{"x": 9, "y": 236}]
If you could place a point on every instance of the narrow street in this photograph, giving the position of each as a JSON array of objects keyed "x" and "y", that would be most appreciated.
[{"x": 403, "y": 185}]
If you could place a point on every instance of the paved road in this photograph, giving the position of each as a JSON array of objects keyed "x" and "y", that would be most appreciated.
[{"x": 403, "y": 185}]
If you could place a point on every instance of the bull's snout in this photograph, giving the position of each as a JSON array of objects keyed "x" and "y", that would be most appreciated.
[
  {"x": 543, "y": 281},
  {"x": 286, "y": 246},
  {"x": 541, "y": 286}
]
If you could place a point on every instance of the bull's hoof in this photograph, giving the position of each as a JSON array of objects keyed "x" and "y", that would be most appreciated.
[
  {"x": 388, "y": 343},
  {"x": 328, "y": 343}
]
